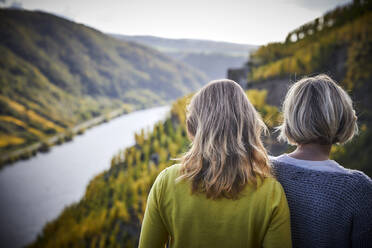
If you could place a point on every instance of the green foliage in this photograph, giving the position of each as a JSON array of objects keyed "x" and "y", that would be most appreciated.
[{"x": 55, "y": 74}]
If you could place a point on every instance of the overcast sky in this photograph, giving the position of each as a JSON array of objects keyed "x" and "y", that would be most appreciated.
[{"x": 242, "y": 21}]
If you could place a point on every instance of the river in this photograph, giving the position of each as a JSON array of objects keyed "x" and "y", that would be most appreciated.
[{"x": 35, "y": 191}]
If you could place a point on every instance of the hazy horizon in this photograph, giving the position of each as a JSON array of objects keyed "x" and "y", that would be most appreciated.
[{"x": 236, "y": 21}]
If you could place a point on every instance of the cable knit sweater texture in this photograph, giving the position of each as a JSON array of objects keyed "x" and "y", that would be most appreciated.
[{"x": 328, "y": 209}]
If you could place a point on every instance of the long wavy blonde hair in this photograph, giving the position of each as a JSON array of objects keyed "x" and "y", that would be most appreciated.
[{"x": 226, "y": 151}]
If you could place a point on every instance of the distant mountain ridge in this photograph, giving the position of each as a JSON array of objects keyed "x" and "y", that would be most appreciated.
[
  {"x": 55, "y": 73},
  {"x": 189, "y": 45},
  {"x": 213, "y": 58}
]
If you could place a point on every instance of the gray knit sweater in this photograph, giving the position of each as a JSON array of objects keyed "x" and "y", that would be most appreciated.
[{"x": 328, "y": 209}]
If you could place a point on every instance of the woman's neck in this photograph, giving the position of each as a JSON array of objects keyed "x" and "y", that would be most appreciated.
[{"x": 312, "y": 151}]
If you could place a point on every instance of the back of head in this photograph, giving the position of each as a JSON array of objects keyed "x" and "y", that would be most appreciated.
[
  {"x": 226, "y": 151},
  {"x": 317, "y": 110}
]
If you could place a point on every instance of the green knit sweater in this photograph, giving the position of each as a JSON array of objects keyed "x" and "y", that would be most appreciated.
[{"x": 259, "y": 218}]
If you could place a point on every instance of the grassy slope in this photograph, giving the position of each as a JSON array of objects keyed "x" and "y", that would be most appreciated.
[{"x": 55, "y": 73}]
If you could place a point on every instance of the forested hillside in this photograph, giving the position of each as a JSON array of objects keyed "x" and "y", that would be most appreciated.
[
  {"x": 110, "y": 213},
  {"x": 339, "y": 44},
  {"x": 55, "y": 73}
]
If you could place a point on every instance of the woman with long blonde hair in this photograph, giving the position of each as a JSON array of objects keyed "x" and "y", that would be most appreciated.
[{"x": 222, "y": 194}]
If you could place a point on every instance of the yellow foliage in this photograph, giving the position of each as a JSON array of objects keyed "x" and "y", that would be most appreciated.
[
  {"x": 6, "y": 140},
  {"x": 46, "y": 123},
  {"x": 337, "y": 149},
  {"x": 257, "y": 97},
  {"x": 13, "y": 120},
  {"x": 363, "y": 128},
  {"x": 36, "y": 132},
  {"x": 22, "y": 124},
  {"x": 14, "y": 105},
  {"x": 30, "y": 114}
]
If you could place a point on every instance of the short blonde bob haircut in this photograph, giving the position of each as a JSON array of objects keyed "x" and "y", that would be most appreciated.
[
  {"x": 317, "y": 110},
  {"x": 226, "y": 151}
]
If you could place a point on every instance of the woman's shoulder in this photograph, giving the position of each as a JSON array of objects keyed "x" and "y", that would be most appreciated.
[
  {"x": 165, "y": 179},
  {"x": 348, "y": 179},
  {"x": 268, "y": 181},
  {"x": 171, "y": 171},
  {"x": 269, "y": 184},
  {"x": 169, "y": 174},
  {"x": 362, "y": 182},
  {"x": 280, "y": 164}
]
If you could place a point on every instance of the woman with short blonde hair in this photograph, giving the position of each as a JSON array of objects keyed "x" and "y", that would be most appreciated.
[
  {"x": 222, "y": 194},
  {"x": 330, "y": 206},
  {"x": 317, "y": 110}
]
